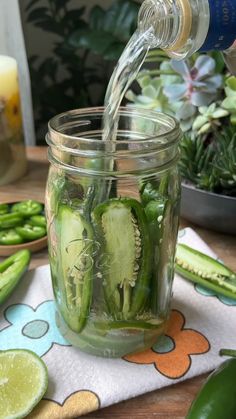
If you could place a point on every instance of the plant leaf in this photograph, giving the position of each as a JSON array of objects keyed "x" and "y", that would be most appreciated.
[{"x": 205, "y": 66}]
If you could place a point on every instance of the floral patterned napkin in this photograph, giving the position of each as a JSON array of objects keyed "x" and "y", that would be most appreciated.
[{"x": 201, "y": 323}]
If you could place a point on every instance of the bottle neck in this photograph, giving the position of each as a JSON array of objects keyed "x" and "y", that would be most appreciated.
[{"x": 179, "y": 26}]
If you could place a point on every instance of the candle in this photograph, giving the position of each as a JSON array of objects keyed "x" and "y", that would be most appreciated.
[{"x": 12, "y": 150}]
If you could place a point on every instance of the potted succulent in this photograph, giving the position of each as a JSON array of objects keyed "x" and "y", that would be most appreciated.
[{"x": 201, "y": 94}]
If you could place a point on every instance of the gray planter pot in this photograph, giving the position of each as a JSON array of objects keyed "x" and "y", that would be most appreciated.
[{"x": 206, "y": 209}]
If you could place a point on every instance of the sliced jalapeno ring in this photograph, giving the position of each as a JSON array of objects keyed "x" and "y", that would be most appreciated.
[
  {"x": 37, "y": 220},
  {"x": 27, "y": 208},
  {"x": 10, "y": 220},
  {"x": 121, "y": 226},
  {"x": 29, "y": 233},
  {"x": 10, "y": 237},
  {"x": 4, "y": 208},
  {"x": 11, "y": 271}
]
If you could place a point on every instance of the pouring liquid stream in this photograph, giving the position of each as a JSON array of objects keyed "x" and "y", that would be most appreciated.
[{"x": 122, "y": 77}]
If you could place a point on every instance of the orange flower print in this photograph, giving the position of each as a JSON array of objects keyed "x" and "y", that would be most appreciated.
[{"x": 171, "y": 355}]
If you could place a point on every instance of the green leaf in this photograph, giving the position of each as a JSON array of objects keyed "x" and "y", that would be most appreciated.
[
  {"x": 96, "y": 18},
  {"x": 199, "y": 122},
  {"x": 31, "y": 3},
  {"x": 229, "y": 103},
  {"x": 60, "y": 4},
  {"x": 38, "y": 14},
  {"x": 113, "y": 52},
  {"x": 121, "y": 18},
  {"x": 220, "y": 113},
  {"x": 219, "y": 60},
  {"x": 205, "y": 128},
  {"x": 231, "y": 83},
  {"x": 95, "y": 41},
  {"x": 144, "y": 81},
  {"x": 150, "y": 92}
]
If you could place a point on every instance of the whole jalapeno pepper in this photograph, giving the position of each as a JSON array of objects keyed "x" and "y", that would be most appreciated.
[
  {"x": 11, "y": 271},
  {"x": 4, "y": 208},
  {"x": 217, "y": 397},
  {"x": 29, "y": 233},
  {"x": 10, "y": 237},
  {"x": 37, "y": 220},
  {"x": 27, "y": 208},
  {"x": 121, "y": 227},
  {"x": 10, "y": 220}
]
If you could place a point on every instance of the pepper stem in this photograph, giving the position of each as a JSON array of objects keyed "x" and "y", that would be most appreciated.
[{"x": 228, "y": 352}]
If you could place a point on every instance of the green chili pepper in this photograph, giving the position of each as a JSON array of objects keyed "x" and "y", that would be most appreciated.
[
  {"x": 10, "y": 220},
  {"x": 4, "y": 208},
  {"x": 121, "y": 226},
  {"x": 10, "y": 237},
  {"x": 29, "y": 233},
  {"x": 37, "y": 220},
  {"x": 206, "y": 271},
  {"x": 27, "y": 208},
  {"x": 149, "y": 193},
  {"x": 11, "y": 271},
  {"x": 75, "y": 265},
  {"x": 217, "y": 397}
]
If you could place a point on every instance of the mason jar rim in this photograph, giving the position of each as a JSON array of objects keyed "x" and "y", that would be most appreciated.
[
  {"x": 173, "y": 129},
  {"x": 73, "y": 144}
]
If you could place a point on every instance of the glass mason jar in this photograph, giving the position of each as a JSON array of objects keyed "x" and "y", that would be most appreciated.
[{"x": 112, "y": 211}]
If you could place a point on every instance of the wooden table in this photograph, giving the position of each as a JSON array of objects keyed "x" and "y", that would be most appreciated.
[{"x": 171, "y": 402}]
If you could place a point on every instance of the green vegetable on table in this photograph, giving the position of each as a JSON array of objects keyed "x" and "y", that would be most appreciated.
[
  {"x": 27, "y": 208},
  {"x": 21, "y": 222},
  {"x": 204, "y": 270},
  {"x": 11, "y": 271},
  {"x": 122, "y": 228},
  {"x": 30, "y": 233},
  {"x": 10, "y": 237},
  {"x": 37, "y": 220},
  {"x": 10, "y": 221},
  {"x": 217, "y": 397},
  {"x": 3, "y": 209}
]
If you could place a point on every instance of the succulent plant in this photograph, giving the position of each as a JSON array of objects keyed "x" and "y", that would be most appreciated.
[
  {"x": 208, "y": 120},
  {"x": 199, "y": 84},
  {"x": 152, "y": 96},
  {"x": 194, "y": 94},
  {"x": 224, "y": 162},
  {"x": 229, "y": 103},
  {"x": 210, "y": 166},
  {"x": 195, "y": 163}
]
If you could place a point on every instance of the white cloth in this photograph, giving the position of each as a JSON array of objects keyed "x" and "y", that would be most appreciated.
[{"x": 80, "y": 383}]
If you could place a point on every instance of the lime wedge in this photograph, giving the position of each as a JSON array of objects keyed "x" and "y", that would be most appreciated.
[{"x": 23, "y": 382}]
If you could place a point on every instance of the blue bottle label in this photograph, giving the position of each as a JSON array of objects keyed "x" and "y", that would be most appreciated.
[{"x": 222, "y": 25}]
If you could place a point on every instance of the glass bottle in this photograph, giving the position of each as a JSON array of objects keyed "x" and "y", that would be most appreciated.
[
  {"x": 112, "y": 230},
  {"x": 182, "y": 27}
]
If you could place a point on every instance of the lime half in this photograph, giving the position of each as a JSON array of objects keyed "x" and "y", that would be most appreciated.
[{"x": 23, "y": 382}]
